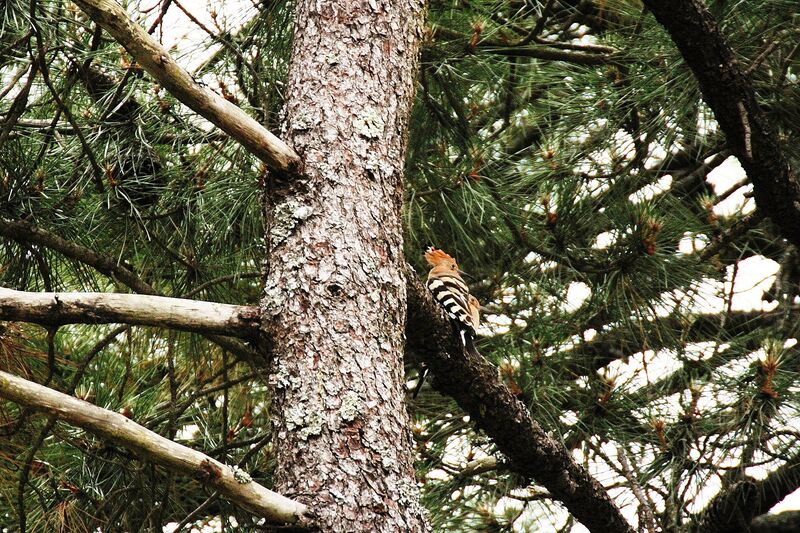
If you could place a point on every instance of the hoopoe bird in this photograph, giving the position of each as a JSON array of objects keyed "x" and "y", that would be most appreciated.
[{"x": 450, "y": 291}]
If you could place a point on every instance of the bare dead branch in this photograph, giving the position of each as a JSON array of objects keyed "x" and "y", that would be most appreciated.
[
  {"x": 24, "y": 232},
  {"x": 54, "y": 309},
  {"x": 235, "y": 484},
  {"x": 155, "y": 59},
  {"x": 645, "y": 509}
]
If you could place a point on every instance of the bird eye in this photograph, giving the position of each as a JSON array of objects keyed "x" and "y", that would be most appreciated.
[{"x": 454, "y": 266}]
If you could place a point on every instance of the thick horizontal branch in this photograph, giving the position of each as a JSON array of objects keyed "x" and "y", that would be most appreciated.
[
  {"x": 236, "y": 485},
  {"x": 731, "y": 96},
  {"x": 57, "y": 308},
  {"x": 26, "y": 233},
  {"x": 473, "y": 382},
  {"x": 155, "y": 59}
]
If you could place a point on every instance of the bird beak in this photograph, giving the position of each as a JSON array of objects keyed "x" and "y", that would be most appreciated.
[{"x": 466, "y": 274}]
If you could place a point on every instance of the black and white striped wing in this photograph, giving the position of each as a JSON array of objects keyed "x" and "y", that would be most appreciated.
[{"x": 452, "y": 293}]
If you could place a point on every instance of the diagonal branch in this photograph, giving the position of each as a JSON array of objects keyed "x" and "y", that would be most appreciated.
[
  {"x": 731, "y": 96},
  {"x": 54, "y": 308},
  {"x": 233, "y": 483},
  {"x": 734, "y": 508},
  {"x": 474, "y": 384},
  {"x": 155, "y": 59},
  {"x": 26, "y": 232}
]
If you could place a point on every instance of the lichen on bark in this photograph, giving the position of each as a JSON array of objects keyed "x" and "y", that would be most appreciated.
[{"x": 335, "y": 296}]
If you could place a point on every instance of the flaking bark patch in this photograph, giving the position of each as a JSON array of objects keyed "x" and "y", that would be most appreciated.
[{"x": 334, "y": 298}]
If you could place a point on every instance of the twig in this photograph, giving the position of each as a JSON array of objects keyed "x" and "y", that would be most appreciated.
[
  {"x": 748, "y": 146},
  {"x": 194, "y": 514},
  {"x": 220, "y": 279},
  {"x": 647, "y": 511},
  {"x": 19, "y": 103},
  {"x": 761, "y": 57}
]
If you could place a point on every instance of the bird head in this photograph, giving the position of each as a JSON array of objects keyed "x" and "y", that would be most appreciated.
[{"x": 440, "y": 259}]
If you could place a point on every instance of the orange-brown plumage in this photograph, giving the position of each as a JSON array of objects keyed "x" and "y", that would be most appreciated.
[
  {"x": 436, "y": 257},
  {"x": 450, "y": 290}
]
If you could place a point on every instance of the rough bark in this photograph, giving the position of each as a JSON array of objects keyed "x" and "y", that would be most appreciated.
[
  {"x": 474, "y": 384},
  {"x": 335, "y": 297},
  {"x": 731, "y": 96},
  {"x": 57, "y": 308},
  {"x": 785, "y": 522},
  {"x": 733, "y": 509},
  {"x": 234, "y": 484},
  {"x": 155, "y": 59}
]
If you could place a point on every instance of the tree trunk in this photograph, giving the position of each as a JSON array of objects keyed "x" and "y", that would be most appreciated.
[{"x": 335, "y": 297}]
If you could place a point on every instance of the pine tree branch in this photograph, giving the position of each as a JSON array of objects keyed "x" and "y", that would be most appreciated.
[
  {"x": 734, "y": 508},
  {"x": 624, "y": 341},
  {"x": 25, "y": 232},
  {"x": 542, "y": 50},
  {"x": 473, "y": 382},
  {"x": 155, "y": 59},
  {"x": 785, "y": 522},
  {"x": 58, "y": 308},
  {"x": 234, "y": 484},
  {"x": 731, "y": 96}
]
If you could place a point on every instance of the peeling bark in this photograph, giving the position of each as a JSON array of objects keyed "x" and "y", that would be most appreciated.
[{"x": 335, "y": 297}]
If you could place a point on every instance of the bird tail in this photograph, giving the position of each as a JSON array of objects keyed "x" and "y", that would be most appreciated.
[
  {"x": 469, "y": 344},
  {"x": 423, "y": 373}
]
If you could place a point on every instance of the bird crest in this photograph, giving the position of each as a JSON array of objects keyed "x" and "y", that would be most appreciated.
[{"x": 436, "y": 257}]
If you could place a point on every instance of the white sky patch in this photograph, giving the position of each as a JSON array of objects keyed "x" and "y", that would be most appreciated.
[
  {"x": 605, "y": 239},
  {"x": 656, "y": 156},
  {"x": 185, "y": 40},
  {"x": 755, "y": 275},
  {"x": 203, "y": 526},
  {"x": 790, "y": 503},
  {"x": 577, "y": 293},
  {"x": 650, "y": 191},
  {"x": 642, "y": 368},
  {"x": 187, "y": 432},
  {"x": 723, "y": 178},
  {"x": 691, "y": 243}
]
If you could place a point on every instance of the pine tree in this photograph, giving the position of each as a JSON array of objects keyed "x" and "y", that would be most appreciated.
[{"x": 617, "y": 179}]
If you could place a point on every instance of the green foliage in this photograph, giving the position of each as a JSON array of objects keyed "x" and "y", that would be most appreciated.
[{"x": 569, "y": 186}]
